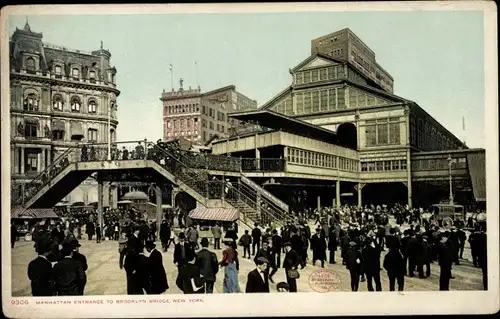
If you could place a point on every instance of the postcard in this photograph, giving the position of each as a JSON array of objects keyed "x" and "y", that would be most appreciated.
[{"x": 274, "y": 159}]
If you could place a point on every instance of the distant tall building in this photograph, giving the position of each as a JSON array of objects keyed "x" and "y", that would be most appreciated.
[
  {"x": 346, "y": 46},
  {"x": 59, "y": 97},
  {"x": 197, "y": 117}
]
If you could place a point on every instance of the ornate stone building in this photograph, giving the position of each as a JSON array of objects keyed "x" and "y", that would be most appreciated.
[
  {"x": 59, "y": 97},
  {"x": 197, "y": 117}
]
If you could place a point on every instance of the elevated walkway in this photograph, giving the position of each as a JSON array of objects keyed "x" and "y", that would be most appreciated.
[{"x": 156, "y": 165}]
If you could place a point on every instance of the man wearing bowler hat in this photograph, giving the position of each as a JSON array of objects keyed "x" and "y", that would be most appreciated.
[
  {"x": 76, "y": 255},
  {"x": 182, "y": 251},
  {"x": 68, "y": 274},
  {"x": 208, "y": 264},
  {"x": 157, "y": 274}
]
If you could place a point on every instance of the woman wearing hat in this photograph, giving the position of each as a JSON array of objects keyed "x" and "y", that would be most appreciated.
[{"x": 230, "y": 263}]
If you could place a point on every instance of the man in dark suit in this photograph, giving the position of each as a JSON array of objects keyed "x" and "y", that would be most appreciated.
[
  {"x": 40, "y": 271},
  {"x": 182, "y": 251},
  {"x": 267, "y": 253},
  {"x": 208, "y": 264},
  {"x": 157, "y": 274},
  {"x": 318, "y": 246},
  {"x": 80, "y": 258},
  {"x": 134, "y": 248},
  {"x": 277, "y": 247},
  {"x": 57, "y": 234},
  {"x": 189, "y": 280},
  {"x": 256, "y": 236},
  {"x": 291, "y": 262},
  {"x": 165, "y": 232},
  {"x": 258, "y": 281},
  {"x": 68, "y": 274},
  {"x": 371, "y": 257},
  {"x": 445, "y": 259}
]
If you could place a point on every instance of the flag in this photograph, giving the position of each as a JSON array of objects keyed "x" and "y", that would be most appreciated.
[
  {"x": 170, "y": 67},
  {"x": 463, "y": 123}
]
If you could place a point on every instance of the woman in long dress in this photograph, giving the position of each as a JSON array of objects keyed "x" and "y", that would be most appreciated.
[{"x": 231, "y": 266}]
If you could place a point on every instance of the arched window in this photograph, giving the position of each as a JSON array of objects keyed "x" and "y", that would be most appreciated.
[
  {"x": 58, "y": 70},
  {"x": 75, "y": 73},
  {"x": 31, "y": 102},
  {"x": 75, "y": 104},
  {"x": 58, "y": 103},
  {"x": 92, "y": 106},
  {"x": 92, "y": 76},
  {"x": 30, "y": 64}
]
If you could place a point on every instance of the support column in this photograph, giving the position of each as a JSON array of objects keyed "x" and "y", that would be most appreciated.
[
  {"x": 22, "y": 160},
  {"x": 318, "y": 202},
  {"x": 159, "y": 209},
  {"x": 360, "y": 194},
  {"x": 259, "y": 213},
  {"x": 285, "y": 157},
  {"x": 257, "y": 157},
  {"x": 175, "y": 191},
  {"x": 408, "y": 186},
  {"x": 49, "y": 157},
  {"x": 337, "y": 194},
  {"x": 100, "y": 194}
]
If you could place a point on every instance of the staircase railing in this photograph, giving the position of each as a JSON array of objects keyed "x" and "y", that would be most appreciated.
[{"x": 178, "y": 166}]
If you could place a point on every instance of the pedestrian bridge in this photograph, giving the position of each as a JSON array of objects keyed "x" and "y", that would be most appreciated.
[{"x": 155, "y": 165}]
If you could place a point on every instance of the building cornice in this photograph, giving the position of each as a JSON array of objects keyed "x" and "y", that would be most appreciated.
[
  {"x": 69, "y": 116},
  {"x": 54, "y": 81}
]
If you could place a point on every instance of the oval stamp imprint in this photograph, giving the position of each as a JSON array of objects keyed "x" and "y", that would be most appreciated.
[{"x": 324, "y": 280}]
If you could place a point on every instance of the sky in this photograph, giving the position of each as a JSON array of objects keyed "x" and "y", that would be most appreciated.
[{"x": 435, "y": 58}]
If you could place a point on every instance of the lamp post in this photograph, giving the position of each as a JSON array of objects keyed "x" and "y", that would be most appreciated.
[{"x": 450, "y": 160}]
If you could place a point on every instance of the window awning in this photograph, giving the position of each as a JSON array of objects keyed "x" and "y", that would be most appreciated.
[
  {"x": 33, "y": 213},
  {"x": 219, "y": 214},
  {"x": 76, "y": 129},
  {"x": 58, "y": 125}
]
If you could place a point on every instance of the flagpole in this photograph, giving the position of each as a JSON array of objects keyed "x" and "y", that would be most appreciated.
[
  {"x": 171, "y": 76},
  {"x": 197, "y": 74}
]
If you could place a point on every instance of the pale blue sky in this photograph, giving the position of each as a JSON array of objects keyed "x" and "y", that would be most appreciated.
[{"x": 436, "y": 58}]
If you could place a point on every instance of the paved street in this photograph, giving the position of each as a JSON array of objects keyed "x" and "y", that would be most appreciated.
[{"x": 105, "y": 277}]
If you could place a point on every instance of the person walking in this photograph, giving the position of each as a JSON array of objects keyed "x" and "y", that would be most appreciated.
[
  {"x": 354, "y": 263},
  {"x": 217, "y": 233},
  {"x": 290, "y": 263},
  {"x": 164, "y": 235},
  {"x": 158, "y": 276},
  {"x": 246, "y": 241},
  {"x": 68, "y": 274},
  {"x": 256, "y": 237},
  {"x": 231, "y": 266},
  {"x": 445, "y": 259},
  {"x": 208, "y": 264},
  {"x": 277, "y": 246},
  {"x": 182, "y": 251},
  {"x": 80, "y": 258},
  {"x": 189, "y": 279},
  {"x": 318, "y": 246},
  {"x": 40, "y": 271},
  {"x": 394, "y": 264},
  {"x": 371, "y": 265}
]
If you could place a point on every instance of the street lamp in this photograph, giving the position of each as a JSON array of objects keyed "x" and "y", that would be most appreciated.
[{"x": 450, "y": 160}]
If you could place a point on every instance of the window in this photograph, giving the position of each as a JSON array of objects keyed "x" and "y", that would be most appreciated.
[
  {"x": 394, "y": 131},
  {"x": 92, "y": 135},
  {"x": 75, "y": 104},
  {"x": 31, "y": 103},
  {"x": 196, "y": 120},
  {"x": 211, "y": 125},
  {"x": 364, "y": 167},
  {"x": 58, "y": 70},
  {"x": 387, "y": 165},
  {"x": 371, "y": 135},
  {"x": 380, "y": 166},
  {"x": 30, "y": 130},
  {"x": 75, "y": 73},
  {"x": 30, "y": 65},
  {"x": 395, "y": 165},
  {"x": 92, "y": 106},
  {"x": 188, "y": 123},
  {"x": 31, "y": 162},
  {"x": 57, "y": 135},
  {"x": 57, "y": 103},
  {"x": 382, "y": 134},
  {"x": 402, "y": 164},
  {"x": 92, "y": 74}
]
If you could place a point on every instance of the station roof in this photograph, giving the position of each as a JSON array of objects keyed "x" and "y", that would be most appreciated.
[{"x": 287, "y": 124}]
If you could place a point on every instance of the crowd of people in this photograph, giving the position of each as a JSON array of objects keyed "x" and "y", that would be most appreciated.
[{"x": 361, "y": 235}]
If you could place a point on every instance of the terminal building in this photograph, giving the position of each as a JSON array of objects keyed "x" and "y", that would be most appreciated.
[
  {"x": 336, "y": 127},
  {"x": 59, "y": 97}
]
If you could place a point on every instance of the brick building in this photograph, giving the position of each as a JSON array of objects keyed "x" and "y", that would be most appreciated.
[{"x": 197, "y": 116}]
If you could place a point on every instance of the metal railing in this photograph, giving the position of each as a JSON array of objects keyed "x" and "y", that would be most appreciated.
[
  {"x": 179, "y": 164},
  {"x": 263, "y": 164}
]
